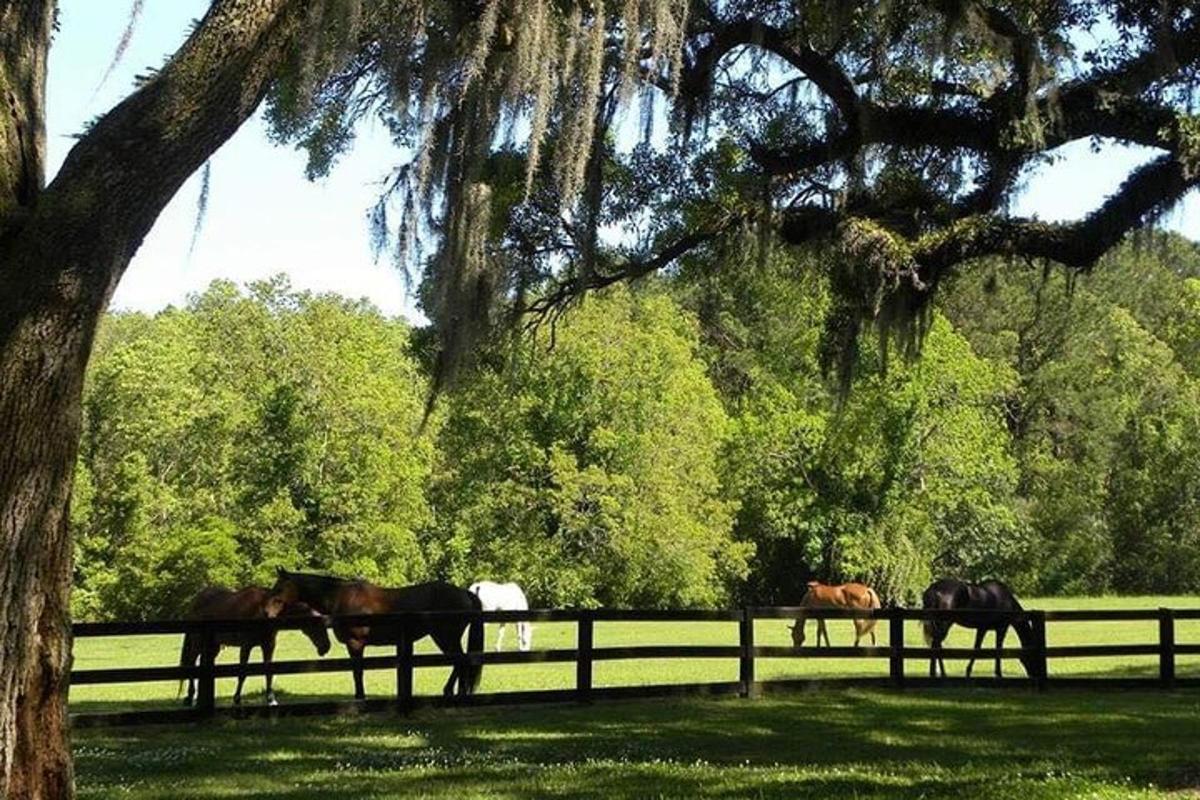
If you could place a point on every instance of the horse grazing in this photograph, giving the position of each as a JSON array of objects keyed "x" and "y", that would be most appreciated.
[
  {"x": 253, "y": 602},
  {"x": 847, "y": 595},
  {"x": 951, "y": 594},
  {"x": 339, "y": 596},
  {"x": 505, "y": 597}
]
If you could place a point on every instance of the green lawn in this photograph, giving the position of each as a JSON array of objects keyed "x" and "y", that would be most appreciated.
[
  {"x": 933, "y": 743},
  {"x": 952, "y": 743},
  {"x": 164, "y": 650}
]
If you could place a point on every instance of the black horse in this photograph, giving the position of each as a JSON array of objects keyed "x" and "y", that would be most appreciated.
[
  {"x": 950, "y": 594},
  {"x": 337, "y": 596}
]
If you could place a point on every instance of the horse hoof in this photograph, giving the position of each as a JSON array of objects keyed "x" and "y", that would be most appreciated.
[{"x": 272, "y": 702}]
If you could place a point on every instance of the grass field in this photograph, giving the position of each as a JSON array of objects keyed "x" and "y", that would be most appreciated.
[
  {"x": 128, "y": 651},
  {"x": 978, "y": 743},
  {"x": 951, "y": 743}
]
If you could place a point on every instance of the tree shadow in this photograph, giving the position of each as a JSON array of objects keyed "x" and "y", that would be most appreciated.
[{"x": 836, "y": 744}]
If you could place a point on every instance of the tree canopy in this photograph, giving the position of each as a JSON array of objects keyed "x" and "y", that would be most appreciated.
[
  {"x": 244, "y": 433},
  {"x": 893, "y": 134},
  {"x": 677, "y": 445},
  {"x": 897, "y": 133}
]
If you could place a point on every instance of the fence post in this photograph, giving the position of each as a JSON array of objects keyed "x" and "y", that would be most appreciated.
[
  {"x": 404, "y": 670},
  {"x": 1166, "y": 647},
  {"x": 896, "y": 645},
  {"x": 206, "y": 681},
  {"x": 1038, "y": 620},
  {"x": 746, "y": 660},
  {"x": 583, "y": 658}
]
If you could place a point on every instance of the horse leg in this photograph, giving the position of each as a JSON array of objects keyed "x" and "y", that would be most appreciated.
[
  {"x": 188, "y": 659},
  {"x": 822, "y": 631},
  {"x": 451, "y": 645},
  {"x": 936, "y": 662},
  {"x": 941, "y": 661},
  {"x": 243, "y": 657},
  {"x": 858, "y": 633},
  {"x": 978, "y": 646},
  {"x": 500, "y": 636},
  {"x": 268, "y": 651},
  {"x": 1000, "y": 634},
  {"x": 355, "y": 648},
  {"x": 524, "y": 636}
]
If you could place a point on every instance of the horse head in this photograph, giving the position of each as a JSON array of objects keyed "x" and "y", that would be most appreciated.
[
  {"x": 797, "y": 629},
  {"x": 285, "y": 589},
  {"x": 313, "y": 625}
]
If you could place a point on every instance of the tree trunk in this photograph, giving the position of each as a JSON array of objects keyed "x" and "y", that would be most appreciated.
[
  {"x": 42, "y": 359},
  {"x": 63, "y": 248}
]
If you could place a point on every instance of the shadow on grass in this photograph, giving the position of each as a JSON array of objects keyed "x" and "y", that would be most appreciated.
[{"x": 954, "y": 743}]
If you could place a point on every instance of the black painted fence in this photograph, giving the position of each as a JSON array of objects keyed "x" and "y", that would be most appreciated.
[{"x": 585, "y": 654}]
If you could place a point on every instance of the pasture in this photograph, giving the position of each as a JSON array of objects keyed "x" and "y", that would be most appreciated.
[
  {"x": 954, "y": 743},
  {"x": 130, "y": 651}
]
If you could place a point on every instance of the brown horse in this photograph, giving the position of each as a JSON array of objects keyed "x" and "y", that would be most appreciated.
[
  {"x": 253, "y": 602},
  {"x": 345, "y": 597},
  {"x": 847, "y": 595}
]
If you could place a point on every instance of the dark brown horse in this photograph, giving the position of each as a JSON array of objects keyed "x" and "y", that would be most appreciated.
[
  {"x": 253, "y": 602},
  {"x": 338, "y": 596},
  {"x": 948, "y": 594}
]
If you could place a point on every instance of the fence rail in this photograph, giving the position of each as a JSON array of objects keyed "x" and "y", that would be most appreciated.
[{"x": 585, "y": 654}]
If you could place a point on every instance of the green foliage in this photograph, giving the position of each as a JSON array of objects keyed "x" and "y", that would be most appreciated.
[
  {"x": 243, "y": 433},
  {"x": 911, "y": 475},
  {"x": 589, "y": 472},
  {"x": 1103, "y": 414},
  {"x": 678, "y": 445}
]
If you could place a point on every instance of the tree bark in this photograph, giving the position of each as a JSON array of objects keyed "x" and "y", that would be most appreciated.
[{"x": 63, "y": 249}]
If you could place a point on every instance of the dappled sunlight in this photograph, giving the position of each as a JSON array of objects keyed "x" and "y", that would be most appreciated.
[{"x": 836, "y": 743}]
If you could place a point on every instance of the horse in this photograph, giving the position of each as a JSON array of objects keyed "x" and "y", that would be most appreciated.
[
  {"x": 252, "y": 602},
  {"x": 846, "y": 595},
  {"x": 948, "y": 593},
  {"x": 505, "y": 597},
  {"x": 339, "y": 596}
]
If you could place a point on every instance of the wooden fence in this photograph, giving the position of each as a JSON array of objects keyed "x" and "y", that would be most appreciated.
[{"x": 585, "y": 654}]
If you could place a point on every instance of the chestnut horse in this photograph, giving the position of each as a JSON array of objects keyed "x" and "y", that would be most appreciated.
[
  {"x": 846, "y": 595},
  {"x": 338, "y": 596},
  {"x": 253, "y": 602},
  {"x": 948, "y": 593}
]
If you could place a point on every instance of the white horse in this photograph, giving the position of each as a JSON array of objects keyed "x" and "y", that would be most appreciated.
[{"x": 505, "y": 597}]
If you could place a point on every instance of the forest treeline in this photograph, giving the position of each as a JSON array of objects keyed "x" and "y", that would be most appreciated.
[{"x": 680, "y": 443}]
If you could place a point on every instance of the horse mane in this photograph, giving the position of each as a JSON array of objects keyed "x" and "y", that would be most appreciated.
[{"x": 312, "y": 577}]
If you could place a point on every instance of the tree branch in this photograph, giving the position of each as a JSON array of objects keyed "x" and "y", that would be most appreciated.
[
  {"x": 822, "y": 70},
  {"x": 124, "y": 170},
  {"x": 24, "y": 42},
  {"x": 1149, "y": 191},
  {"x": 566, "y": 291}
]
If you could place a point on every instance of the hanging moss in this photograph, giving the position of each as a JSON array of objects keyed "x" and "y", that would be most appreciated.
[{"x": 875, "y": 280}]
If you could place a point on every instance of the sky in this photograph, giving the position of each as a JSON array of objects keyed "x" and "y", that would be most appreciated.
[{"x": 264, "y": 217}]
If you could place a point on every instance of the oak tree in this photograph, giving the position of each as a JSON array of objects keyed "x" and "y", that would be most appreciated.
[{"x": 897, "y": 130}]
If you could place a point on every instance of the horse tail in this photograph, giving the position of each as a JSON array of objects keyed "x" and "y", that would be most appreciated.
[
  {"x": 475, "y": 644},
  {"x": 875, "y": 602},
  {"x": 927, "y": 629}
]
